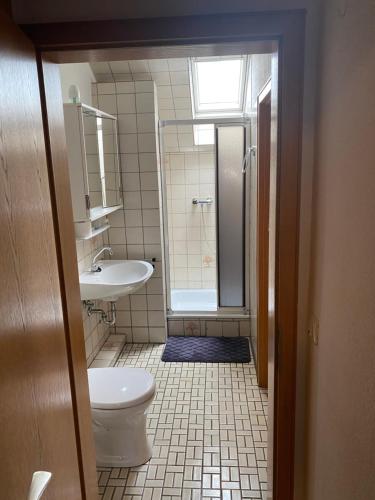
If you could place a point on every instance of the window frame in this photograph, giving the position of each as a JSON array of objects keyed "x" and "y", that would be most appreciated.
[{"x": 194, "y": 86}]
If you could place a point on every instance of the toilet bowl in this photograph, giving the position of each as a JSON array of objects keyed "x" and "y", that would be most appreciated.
[{"x": 120, "y": 398}]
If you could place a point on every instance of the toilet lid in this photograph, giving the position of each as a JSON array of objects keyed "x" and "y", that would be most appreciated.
[{"x": 115, "y": 388}]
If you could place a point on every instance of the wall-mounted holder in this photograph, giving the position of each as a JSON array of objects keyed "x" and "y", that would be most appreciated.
[
  {"x": 87, "y": 230},
  {"x": 108, "y": 318}
]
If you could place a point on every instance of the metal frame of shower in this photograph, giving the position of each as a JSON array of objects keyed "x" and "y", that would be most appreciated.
[{"x": 229, "y": 312}]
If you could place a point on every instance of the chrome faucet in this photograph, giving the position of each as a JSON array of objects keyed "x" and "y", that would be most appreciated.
[{"x": 94, "y": 268}]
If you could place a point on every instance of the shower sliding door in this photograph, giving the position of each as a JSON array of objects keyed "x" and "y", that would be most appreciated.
[
  {"x": 189, "y": 208},
  {"x": 230, "y": 151},
  {"x": 203, "y": 208}
]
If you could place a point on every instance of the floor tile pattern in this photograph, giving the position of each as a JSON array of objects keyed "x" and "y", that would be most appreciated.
[{"x": 208, "y": 426}]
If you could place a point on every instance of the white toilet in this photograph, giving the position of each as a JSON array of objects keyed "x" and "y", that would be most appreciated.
[{"x": 120, "y": 398}]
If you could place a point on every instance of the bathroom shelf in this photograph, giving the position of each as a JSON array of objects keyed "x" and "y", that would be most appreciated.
[
  {"x": 99, "y": 212},
  {"x": 94, "y": 232}
]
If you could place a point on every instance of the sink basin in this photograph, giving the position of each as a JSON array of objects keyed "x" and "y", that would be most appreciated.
[{"x": 116, "y": 278}]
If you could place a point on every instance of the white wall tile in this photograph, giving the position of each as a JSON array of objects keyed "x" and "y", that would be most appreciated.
[
  {"x": 140, "y": 334},
  {"x": 135, "y": 251},
  {"x": 230, "y": 329},
  {"x": 144, "y": 86},
  {"x": 117, "y": 235},
  {"x": 128, "y": 143},
  {"x": 155, "y": 286},
  {"x": 161, "y": 78},
  {"x": 150, "y": 199},
  {"x": 120, "y": 66},
  {"x": 178, "y": 64},
  {"x": 123, "y": 318},
  {"x": 133, "y": 218},
  {"x": 151, "y": 235},
  {"x": 127, "y": 124},
  {"x": 134, "y": 235},
  {"x": 165, "y": 104},
  {"x": 182, "y": 91},
  {"x": 182, "y": 102},
  {"x": 147, "y": 161},
  {"x": 142, "y": 76},
  {"x": 146, "y": 122},
  {"x": 131, "y": 181},
  {"x": 135, "y": 232},
  {"x": 164, "y": 92},
  {"x": 106, "y": 88},
  {"x": 107, "y": 103},
  {"x": 125, "y": 87},
  {"x": 123, "y": 78},
  {"x": 126, "y": 103},
  {"x": 151, "y": 217},
  {"x": 175, "y": 327},
  {"x": 184, "y": 114},
  {"x": 156, "y": 65},
  {"x": 158, "y": 335},
  {"x": 156, "y": 318},
  {"x": 153, "y": 251},
  {"x": 146, "y": 143},
  {"x": 155, "y": 302},
  {"x": 145, "y": 103},
  {"x": 138, "y": 302},
  {"x": 139, "y": 318},
  {"x": 214, "y": 328},
  {"x": 149, "y": 181},
  {"x": 132, "y": 200},
  {"x": 179, "y": 77},
  {"x": 167, "y": 114},
  {"x": 129, "y": 162}
]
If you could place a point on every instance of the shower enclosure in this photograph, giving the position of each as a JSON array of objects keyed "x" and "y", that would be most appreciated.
[{"x": 204, "y": 197}]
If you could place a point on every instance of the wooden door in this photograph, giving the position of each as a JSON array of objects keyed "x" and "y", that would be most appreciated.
[
  {"x": 36, "y": 408},
  {"x": 272, "y": 437},
  {"x": 263, "y": 164}
]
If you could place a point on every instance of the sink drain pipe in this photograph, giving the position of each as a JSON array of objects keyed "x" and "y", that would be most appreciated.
[{"x": 108, "y": 318}]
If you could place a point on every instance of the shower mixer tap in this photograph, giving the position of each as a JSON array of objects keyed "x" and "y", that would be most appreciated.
[{"x": 202, "y": 201}]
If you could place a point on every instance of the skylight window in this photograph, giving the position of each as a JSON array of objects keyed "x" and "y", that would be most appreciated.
[{"x": 218, "y": 85}]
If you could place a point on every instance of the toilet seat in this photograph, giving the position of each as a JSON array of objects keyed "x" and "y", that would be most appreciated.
[{"x": 119, "y": 388}]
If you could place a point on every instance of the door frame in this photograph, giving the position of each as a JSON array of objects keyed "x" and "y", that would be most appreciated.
[
  {"x": 263, "y": 194},
  {"x": 171, "y": 37}
]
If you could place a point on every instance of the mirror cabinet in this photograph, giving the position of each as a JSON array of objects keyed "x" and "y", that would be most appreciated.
[{"x": 94, "y": 167}]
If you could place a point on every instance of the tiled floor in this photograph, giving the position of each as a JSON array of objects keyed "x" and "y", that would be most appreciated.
[{"x": 208, "y": 426}]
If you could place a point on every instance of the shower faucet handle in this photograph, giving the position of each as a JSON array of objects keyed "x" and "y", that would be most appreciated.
[{"x": 202, "y": 201}]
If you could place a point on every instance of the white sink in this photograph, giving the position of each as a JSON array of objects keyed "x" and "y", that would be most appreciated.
[{"x": 116, "y": 278}]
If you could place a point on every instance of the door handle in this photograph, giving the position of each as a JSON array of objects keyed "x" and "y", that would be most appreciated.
[{"x": 38, "y": 485}]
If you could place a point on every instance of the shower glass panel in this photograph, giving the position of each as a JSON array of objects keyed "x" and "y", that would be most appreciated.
[
  {"x": 189, "y": 206},
  {"x": 231, "y": 228}
]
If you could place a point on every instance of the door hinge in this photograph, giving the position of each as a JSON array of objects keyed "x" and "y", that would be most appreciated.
[{"x": 87, "y": 201}]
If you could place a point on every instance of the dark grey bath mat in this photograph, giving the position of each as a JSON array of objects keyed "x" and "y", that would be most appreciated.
[{"x": 207, "y": 350}]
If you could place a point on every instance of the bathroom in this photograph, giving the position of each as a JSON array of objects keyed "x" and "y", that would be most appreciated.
[{"x": 167, "y": 178}]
